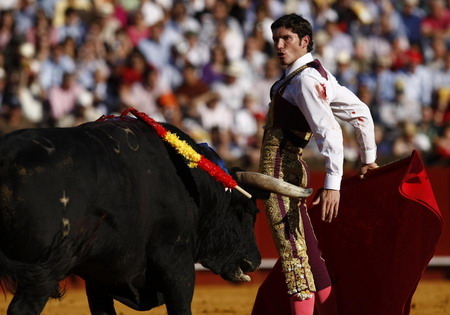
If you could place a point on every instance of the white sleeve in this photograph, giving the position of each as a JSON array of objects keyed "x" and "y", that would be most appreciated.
[{"x": 348, "y": 107}]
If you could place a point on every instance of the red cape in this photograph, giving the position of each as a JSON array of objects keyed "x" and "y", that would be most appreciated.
[{"x": 377, "y": 248}]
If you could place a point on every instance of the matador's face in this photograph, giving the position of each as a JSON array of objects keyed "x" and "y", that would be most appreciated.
[{"x": 288, "y": 46}]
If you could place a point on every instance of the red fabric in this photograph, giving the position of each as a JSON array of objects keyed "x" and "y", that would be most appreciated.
[{"x": 378, "y": 247}]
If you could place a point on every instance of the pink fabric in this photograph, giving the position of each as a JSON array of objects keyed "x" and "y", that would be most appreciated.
[
  {"x": 326, "y": 301},
  {"x": 305, "y": 307}
]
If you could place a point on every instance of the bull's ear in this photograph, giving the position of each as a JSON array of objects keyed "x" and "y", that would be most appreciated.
[{"x": 257, "y": 193}]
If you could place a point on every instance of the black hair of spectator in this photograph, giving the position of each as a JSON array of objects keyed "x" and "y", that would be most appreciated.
[{"x": 297, "y": 24}]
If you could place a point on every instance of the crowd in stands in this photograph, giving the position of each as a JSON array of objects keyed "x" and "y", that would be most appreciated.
[{"x": 207, "y": 66}]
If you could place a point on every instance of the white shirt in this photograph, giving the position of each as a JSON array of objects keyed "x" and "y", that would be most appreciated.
[{"x": 321, "y": 100}]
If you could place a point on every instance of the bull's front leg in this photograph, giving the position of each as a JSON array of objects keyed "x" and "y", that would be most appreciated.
[
  {"x": 175, "y": 271},
  {"x": 100, "y": 303}
]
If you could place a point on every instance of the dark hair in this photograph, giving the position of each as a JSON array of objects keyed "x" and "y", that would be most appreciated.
[{"x": 297, "y": 24}]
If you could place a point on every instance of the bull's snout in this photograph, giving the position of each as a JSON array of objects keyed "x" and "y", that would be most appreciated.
[{"x": 249, "y": 266}]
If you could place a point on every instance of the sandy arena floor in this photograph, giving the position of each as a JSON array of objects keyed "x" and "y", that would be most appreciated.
[{"x": 432, "y": 297}]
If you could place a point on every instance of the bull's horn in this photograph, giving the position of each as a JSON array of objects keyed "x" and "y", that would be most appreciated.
[{"x": 273, "y": 184}]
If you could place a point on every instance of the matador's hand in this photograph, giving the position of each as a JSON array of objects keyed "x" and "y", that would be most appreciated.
[
  {"x": 330, "y": 203},
  {"x": 367, "y": 167}
]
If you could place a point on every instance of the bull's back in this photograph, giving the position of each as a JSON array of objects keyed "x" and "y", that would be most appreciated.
[{"x": 100, "y": 180}]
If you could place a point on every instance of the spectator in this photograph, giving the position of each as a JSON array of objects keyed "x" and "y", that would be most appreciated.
[
  {"x": 6, "y": 28},
  {"x": 323, "y": 12},
  {"x": 41, "y": 28},
  {"x": 416, "y": 79},
  {"x": 134, "y": 69},
  {"x": 435, "y": 59},
  {"x": 231, "y": 40},
  {"x": 323, "y": 52},
  {"x": 213, "y": 113},
  {"x": 345, "y": 74},
  {"x": 153, "y": 12},
  {"x": 233, "y": 89},
  {"x": 63, "y": 98},
  {"x": 53, "y": 68},
  {"x": 110, "y": 26},
  {"x": 30, "y": 94},
  {"x": 384, "y": 80},
  {"x": 410, "y": 139},
  {"x": 214, "y": 70},
  {"x": 400, "y": 109},
  {"x": 245, "y": 121},
  {"x": 412, "y": 16},
  {"x": 442, "y": 147},
  {"x": 138, "y": 29},
  {"x": 441, "y": 74},
  {"x": 437, "y": 22},
  {"x": 143, "y": 95},
  {"x": 157, "y": 51},
  {"x": 73, "y": 27},
  {"x": 254, "y": 59},
  {"x": 191, "y": 89},
  {"x": 339, "y": 42},
  {"x": 82, "y": 7},
  {"x": 12, "y": 119},
  {"x": 24, "y": 16},
  {"x": 231, "y": 28},
  {"x": 191, "y": 51},
  {"x": 180, "y": 22},
  {"x": 87, "y": 64},
  {"x": 261, "y": 87},
  {"x": 427, "y": 124},
  {"x": 384, "y": 144}
]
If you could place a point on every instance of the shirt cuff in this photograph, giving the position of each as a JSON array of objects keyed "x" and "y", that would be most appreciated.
[
  {"x": 368, "y": 156},
  {"x": 332, "y": 182}
]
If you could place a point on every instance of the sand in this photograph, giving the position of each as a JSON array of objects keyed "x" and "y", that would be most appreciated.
[{"x": 432, "y": 297}]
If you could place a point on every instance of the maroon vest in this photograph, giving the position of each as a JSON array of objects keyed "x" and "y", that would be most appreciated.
[{"x": 287, "y": 116}]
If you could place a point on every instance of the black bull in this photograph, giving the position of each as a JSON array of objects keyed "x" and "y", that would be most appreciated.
[{"x": 111, "y": 202}]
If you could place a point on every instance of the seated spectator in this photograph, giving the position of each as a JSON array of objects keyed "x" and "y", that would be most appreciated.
[
  {"x": 254, "y": 60},
  {"x": 191, "y": 89},
  {"x": 402, "y": 108},
  {"x": 73, "y": 27},
  {"x": 54, "y": 66},
  {"x": 41, "y": 27},
  {"x": 412, "y": 16},
  {"x": 82, "y": 7},
  {"x": 437, "y": 22},
  {"x": 261, "y": 87},
  {"x": 30, "y": 95},
  {"x": 191, "y": 51},
  {"x": 12, "y": 118},
  {"x": 180, "y": 21},
  {"x": 245, "y": 122},
  {"x": 214, "y": 70},
  {"x": 6, "y": 28},
  {"x": 233, "y": 89},
  {"x": 63, "y": 98},
  {"x": 24, "y": 16},
  {"x": 345, "y": 73},
  {"x": 442, "y": 147},
  {"x": 213, "y": 113},
  {"x": 143, "y": 95},
  {"x": 410, "y": 139},
  {"x": 138, "y": 29}
]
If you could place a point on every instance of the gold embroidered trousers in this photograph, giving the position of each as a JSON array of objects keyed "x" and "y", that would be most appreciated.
[{"x": 282, "y": 159}]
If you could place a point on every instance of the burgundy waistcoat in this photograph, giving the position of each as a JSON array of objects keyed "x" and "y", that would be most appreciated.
[{"x": 287, "y": 115}]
